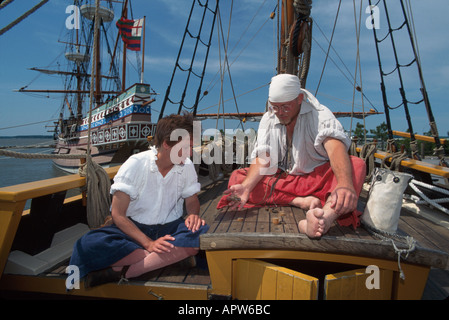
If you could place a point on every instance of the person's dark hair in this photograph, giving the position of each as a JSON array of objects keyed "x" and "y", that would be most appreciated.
[{"x": 168, "y": 124}]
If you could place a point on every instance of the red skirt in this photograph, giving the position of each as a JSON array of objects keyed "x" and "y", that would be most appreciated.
[{"x": 280, "y": 189}]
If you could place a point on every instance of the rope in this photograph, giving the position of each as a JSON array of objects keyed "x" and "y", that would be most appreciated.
[
  {"x": 386, "y": 236},
  {"x": 22, "y": 17},
  {"x": 330, "y": 46},
  {"x": 21, "y": 155},
  {"x": 98, "y": 185},
  {"x": 434, "y": 202},
  {"x": 396, "y": 159},
  {"x": 5, "y": 3},
  {"x": 367, "y": 155},
  {"x": 303, "y": 6}
]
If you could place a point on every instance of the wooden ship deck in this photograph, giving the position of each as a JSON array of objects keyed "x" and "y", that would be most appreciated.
[{"x": 240, "y": 243}]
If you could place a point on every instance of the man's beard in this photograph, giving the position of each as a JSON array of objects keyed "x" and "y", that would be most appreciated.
[{"x": 285, "y": 121}]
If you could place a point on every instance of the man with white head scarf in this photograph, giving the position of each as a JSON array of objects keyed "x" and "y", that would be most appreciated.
[{"x": 300, "y": 159}]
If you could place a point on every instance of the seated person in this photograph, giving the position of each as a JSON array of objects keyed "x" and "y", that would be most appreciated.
[
  {"x": 300, "y": 159},
  {"x": 148, "y": 230}
]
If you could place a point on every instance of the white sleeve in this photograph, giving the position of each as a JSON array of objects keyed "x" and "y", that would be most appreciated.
[
  {"x": 330, "y": 128},
  {"x": 191, "y": 184},
  {"x": 262, "y": 145},
  {"x": 126, "y": 179}
]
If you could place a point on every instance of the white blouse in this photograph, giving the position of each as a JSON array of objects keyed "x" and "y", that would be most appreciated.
[
  {"x": 155, "y": 199},
  {"x": 315, "y": 123}
]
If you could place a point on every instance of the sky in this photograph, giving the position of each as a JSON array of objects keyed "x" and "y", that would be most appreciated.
[{"x": 36, "y": 42}]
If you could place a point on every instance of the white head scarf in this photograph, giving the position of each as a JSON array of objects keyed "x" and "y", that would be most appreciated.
[{"x": 284, "y": 88}]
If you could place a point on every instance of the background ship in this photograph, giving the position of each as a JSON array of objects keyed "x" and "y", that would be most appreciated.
[{"x": 98, "y": 113}]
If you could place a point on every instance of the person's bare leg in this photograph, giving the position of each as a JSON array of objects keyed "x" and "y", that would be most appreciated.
[
  {"x": 152, "y": 261},
  {"x": 306, "y": 203}
]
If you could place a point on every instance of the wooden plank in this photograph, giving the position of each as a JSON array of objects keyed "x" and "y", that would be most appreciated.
[
  {"x": 288, "y": 219},
  {"x": 263, "y": 221},
  {"x": 297, "y": 213},
  {"x": 351, "y": 285},
  {"x": 225, "y": 222},
  {"x": 237, "y": 221},
  {"x": 284, "y": 288},
  {"x": 326, "y": 244},
  {"x": 249, "y": 225},
  {"x": 416, "y": 165},
  {"x": 173, "y": 273},
  {"x": 197, "y": 276},
  {"x": 417, "y": 137},
  {"x": 425, "y": 232},
  {"x": 209, "y": 198},
  {"x": 256, "y": 279},
  {"x": 10, "y": 216},
  {"x": 40, "y": 188},
  {"x": 217, "y": 220}
]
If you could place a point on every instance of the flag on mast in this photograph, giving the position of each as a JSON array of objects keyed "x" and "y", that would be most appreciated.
[{"x": 131, "y": 32}]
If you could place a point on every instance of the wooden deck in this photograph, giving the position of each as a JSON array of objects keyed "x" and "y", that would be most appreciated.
[{"x": 277, "y": 228}]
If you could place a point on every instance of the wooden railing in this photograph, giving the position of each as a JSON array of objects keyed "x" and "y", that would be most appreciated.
[
  {"x": 14, "y": 198},
  {"x": 416, "y": 164}
]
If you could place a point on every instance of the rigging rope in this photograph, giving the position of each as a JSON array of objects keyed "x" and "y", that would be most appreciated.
[
  {"x": 20, "y": 155},
  {"x": 330, "y": 44},
  {"x": 5, "y": 3},
  {"x": 358, "y": 67},
  {"x": 22, "y": 17}
]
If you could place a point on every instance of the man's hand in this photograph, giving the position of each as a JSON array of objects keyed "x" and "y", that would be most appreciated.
[
  {"x": 343, "y": 200},
  {"x": 238, "y": 196}
]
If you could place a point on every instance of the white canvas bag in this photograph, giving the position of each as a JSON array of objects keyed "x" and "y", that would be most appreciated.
[
  {"x": 382, "y": 211},
  {"x": 383, "y": 208}
]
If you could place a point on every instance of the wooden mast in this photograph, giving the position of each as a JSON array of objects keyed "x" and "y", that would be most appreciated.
[
  {"x": 287, "y": 19},
  {"x": 143, "y": 49},
  {"x": 79, "y": 100},
  {"x": 98, "y": 93},
  {"x": 124, "y": 15}
]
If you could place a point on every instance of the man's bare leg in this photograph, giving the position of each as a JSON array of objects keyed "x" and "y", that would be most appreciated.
[
  {"x": 318, "y": 221},
  {"x": 306, "y": 203}
]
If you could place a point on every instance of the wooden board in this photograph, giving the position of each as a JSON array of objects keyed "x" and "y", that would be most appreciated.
[{"x": 256, "y": 229}]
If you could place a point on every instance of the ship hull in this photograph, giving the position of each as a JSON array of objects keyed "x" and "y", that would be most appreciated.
[{"x": 119, "y": 128}]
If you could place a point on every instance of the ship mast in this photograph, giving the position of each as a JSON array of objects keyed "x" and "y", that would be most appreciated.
[
  {"x": 295, "y": 38},
  {"x": 105, "y": 15},
  {"x": 125, "y": 16}
]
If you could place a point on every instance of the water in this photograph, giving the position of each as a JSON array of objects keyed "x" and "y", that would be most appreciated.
[{"x": 16, "y": 171}]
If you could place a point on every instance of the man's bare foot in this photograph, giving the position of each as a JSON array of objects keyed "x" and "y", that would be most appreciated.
[
  {"x": 306, "y": 203},
  {"x": 314, "y": 226}
]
